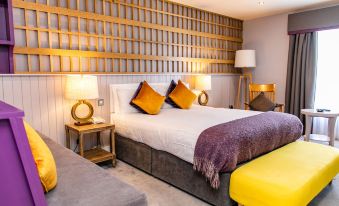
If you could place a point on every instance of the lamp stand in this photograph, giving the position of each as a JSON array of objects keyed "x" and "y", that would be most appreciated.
[
  {"x": 246, "y": 77},
  {"x": 203, "y": 102},
  {"x": 80, "y": 121}
]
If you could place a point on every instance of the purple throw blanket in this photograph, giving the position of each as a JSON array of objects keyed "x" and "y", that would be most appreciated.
[{"x": 220, "y": 148}]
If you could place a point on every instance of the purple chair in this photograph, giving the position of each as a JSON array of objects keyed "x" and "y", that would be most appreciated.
[{"x": 19, "y": 179}]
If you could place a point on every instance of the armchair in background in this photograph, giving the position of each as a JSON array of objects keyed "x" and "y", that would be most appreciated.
[{"x": 267, "y": 91}]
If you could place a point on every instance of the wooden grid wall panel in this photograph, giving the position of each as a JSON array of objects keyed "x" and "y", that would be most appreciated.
[{"x": 123, "y": 37}]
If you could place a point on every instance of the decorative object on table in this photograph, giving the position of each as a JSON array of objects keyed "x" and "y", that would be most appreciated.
[
  {"x": 244, "y": 59},
  {"x": 332, "y": 118},
  {"x": 262, "y": 98},
  {"x": 82, "y": 88},
  {"x": 96, "y": 154},
  {"x": 323, "y": 110},
  {"x": 203, "y": 83},
  {"x": 97, "y": 120}
]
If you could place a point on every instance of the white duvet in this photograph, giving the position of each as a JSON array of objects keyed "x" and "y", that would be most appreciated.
[{"x": 175, "y": 131}]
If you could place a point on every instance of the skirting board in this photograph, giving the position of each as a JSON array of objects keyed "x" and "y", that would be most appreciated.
[{"x": 173, "y": 170}]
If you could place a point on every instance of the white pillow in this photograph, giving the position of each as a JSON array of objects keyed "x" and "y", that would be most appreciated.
[
  {"x": 124, "y": 99},
  {"x": 114, "y": 101}
]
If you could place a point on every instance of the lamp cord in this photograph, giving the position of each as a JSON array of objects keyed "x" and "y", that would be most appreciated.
[{"x": 75, "y": 148}]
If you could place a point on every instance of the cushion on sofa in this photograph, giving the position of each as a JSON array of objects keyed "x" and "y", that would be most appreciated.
[
  {"x": 81, "y": 182},
  {"x": 43, "y": 158}
]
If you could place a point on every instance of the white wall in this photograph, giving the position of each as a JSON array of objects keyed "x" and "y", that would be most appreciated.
[
  {"x": 268, "y": 36},
  {"x": 41, "y": 97}
]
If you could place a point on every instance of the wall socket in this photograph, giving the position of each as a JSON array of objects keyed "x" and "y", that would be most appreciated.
[{"x": 101, "y": 102}]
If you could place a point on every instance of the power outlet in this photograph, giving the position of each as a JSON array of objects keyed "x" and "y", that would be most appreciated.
[{"x": 101, "y": 102}]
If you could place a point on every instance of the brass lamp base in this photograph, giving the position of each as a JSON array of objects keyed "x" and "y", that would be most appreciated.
[
  {"x": 201, "y": 102},
  {"x": 80, "y": 121}
]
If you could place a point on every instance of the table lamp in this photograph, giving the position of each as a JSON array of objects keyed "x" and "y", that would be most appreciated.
[
  {"x": 244, "y": 59},
  {"x": 203, "y": 83},
  {"x": 81, "y": 88}
]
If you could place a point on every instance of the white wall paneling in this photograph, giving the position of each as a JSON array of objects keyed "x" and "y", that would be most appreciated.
[{"x": 41, "y": 97}]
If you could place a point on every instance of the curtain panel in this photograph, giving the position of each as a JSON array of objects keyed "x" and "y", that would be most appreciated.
[{"x": 301, "y": 73}]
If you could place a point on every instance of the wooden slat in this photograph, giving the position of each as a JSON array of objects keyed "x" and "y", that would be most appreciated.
[
  {"x": 94, "y": 16},
  {"x": 93, "y": 54},
  {"x": 171, "y": 38}
]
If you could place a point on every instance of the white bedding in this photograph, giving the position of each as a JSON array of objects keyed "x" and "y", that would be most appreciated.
[{"x": 175, "y": 131}]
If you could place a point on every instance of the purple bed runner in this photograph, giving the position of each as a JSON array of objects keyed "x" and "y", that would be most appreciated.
[{"x": 220, "y": 148}]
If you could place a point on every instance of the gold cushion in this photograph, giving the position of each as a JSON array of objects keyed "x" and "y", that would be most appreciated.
[
  {"x": 182, "y": 96},
  {"x": 43, "y": 159},
  {"x": 148, "y": 100}
]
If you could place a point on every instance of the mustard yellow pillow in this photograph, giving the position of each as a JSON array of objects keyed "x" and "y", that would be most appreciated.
[
  {"x": 148, "y": 100},
  {"x": 182, "y": 96},
  {"x": 43, "y": 159}
]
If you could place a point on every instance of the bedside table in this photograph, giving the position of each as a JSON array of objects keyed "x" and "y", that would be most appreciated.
[
  {"x": 97, "y": 154},
  {"x": 332, "y": 118}
]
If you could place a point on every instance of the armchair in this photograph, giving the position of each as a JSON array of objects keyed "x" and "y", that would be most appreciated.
[{"x": 268, "y": 89}]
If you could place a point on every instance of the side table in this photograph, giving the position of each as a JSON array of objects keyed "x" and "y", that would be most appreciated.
[
  {"x": 96, "y": 154},
  {"x": 331, "y": 116}
]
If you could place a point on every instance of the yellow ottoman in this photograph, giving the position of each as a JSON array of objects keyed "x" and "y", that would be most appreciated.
[{"x": 290, "y": 176}]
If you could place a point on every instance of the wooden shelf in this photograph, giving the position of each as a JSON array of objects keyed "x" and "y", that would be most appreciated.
[
  {"x": 97, "y": 155},
  {"x": 6, "y": 37},
  {"x": 319, "y": 137},
  {"x": 6, "y": 42}
]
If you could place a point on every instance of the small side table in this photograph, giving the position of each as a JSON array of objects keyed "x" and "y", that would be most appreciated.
[
  {"x": 97, "y": 154},
  {"x": 332, "y": 118}
]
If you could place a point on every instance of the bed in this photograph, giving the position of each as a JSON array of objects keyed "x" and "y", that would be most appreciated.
[{"x": 163, "y": 145}]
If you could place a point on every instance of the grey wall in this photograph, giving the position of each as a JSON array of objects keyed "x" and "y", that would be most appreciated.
[{"x": 268, "y": 36}]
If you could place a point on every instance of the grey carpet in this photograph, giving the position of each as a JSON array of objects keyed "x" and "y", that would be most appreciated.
[{"x": 160, "y": 193}]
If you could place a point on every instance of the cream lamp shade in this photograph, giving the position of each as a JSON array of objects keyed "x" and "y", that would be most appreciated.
[
  {"x": 245, "y": 59},
  {"x": 81, "y": 87},
  {"x": 203, "y": 83}
]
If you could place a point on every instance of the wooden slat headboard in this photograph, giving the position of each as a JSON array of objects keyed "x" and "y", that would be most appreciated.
[{"x": 123, "y": 37}]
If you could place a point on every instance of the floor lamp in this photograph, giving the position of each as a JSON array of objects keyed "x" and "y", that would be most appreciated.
[{"x": 244, "y": 59}]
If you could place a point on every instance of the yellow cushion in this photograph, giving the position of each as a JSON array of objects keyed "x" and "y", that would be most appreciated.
[
  {"x": 148, "y": 100},
  {"x": 43, "y": 159},
  {"x": 182, "y": 96},
  {"x": 290, "y": 176}
]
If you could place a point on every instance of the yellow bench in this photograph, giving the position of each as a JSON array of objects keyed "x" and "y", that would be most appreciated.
[{"x": 290, "y": 176}]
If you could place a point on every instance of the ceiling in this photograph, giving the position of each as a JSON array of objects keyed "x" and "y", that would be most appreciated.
[{"x": 251, "y": 9}]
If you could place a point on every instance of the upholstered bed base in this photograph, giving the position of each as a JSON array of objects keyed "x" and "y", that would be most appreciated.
[{"x": 173, "y": 170}]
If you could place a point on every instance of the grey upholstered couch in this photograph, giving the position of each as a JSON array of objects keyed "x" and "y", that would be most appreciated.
[{"x": 81, "y": 182}]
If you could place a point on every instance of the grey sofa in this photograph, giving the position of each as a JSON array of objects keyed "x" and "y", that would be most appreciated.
[{"x": 80, "y": 182}]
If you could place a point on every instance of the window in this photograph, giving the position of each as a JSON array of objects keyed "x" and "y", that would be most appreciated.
[{"x": 327, "y": 85}]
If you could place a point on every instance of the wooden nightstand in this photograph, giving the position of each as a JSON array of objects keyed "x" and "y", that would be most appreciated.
[{"x": 97, "y": 154}]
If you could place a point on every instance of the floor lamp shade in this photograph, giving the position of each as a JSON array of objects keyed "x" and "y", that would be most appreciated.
[{"x": 245, "y": 59}]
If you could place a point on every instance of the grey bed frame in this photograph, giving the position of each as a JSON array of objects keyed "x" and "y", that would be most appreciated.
[{"x": 173, "y": 170}]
